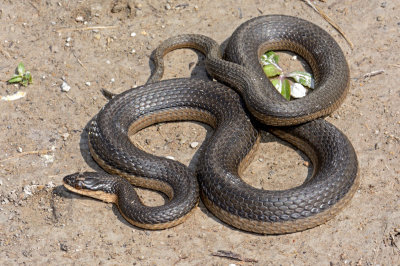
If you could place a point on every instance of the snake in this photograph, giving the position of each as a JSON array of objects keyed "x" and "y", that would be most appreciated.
[{"x": 236, "y": 106}]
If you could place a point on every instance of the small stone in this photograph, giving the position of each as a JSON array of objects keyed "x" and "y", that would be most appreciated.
[
  {"x": 112, "y": 80},
  {"x": 133, "y": 34},
  {"x": 305, "y": 163},
  {"x": 108, "y": 62},
  {"x": 167, "y": 6},
  {"x": 65, "y": 136},
  {"x": 97, "y": 36},
  {"x": 170, "y": 157},
  {"x": 383, "y": 4},
  {"x": 194, "y": 144},
  {"x": 68, "y": 39},
  {"x": 65, "y": 87},
  {"x": 379, "y": 18},
  {"x": 87, "y": 83},
  {"x": 79, "y": 19},
  {"x": 63, "y": 247},
  {"x": 133, "y": 51},
  {"x": 19, "y": 149}
]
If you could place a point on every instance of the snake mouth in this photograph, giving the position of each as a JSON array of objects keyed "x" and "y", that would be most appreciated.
[
  {"x": 91, "y": 185},
  {"x": 74, "y": 180},
  {"x": 85, "y": 180}
]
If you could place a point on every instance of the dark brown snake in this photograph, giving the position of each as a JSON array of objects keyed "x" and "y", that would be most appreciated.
[{"x": 335, "y": 176}]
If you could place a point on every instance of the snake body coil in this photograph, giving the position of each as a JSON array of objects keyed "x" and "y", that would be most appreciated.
[{"x": 335, "y": 176}]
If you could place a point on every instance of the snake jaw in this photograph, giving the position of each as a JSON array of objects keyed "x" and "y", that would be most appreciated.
[{"x": 85, "y": 180}]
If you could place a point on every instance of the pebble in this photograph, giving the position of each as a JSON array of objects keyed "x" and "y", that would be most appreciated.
[
  {"x": 194, "y": 144},
  {"x": 65, "y": 87},
  {"x": 29, "y": 190},
  {"x": 87, "y": 83},
  {"x": 97, "y": 36},
  {"x": 167, "y": 6},
  {"x": 377, "y": 146},
  {"x": 65, "y": 136},
  {"x": 63, "y": 247},
  {"x": 19, "y": 149},
  {"x": 133, "y": 34},
  {"x": 170, "y": 157},
  {"x": 383, "y": 4},
  {"x": 79, "y": 19}
]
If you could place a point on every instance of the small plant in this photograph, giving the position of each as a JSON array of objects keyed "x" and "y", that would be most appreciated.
[
  {"x": 289, "y": 85},
  {"x": 21, "y": 76}
]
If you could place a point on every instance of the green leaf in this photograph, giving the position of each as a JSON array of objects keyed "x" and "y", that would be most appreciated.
[
  {"x": 283, "y": 86},
  {"x": 273, "y": 56},
  {"x": 28, "y": 77},
  {"x": 277, "y": 84},
  {"x": 286, "y": 89},
  {"x": 271, "y": 71},
  {"x": 21, "y": 69},
  {"x": 24, "y": 82},
  {"x": 269, "y": 58},
  {"x": 304, "y": 78},
  {"x": 15, "y": 79}
]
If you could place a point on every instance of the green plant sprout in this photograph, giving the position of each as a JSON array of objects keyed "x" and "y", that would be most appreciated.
[
  {"x": 21, "y": 76},
  {"x": 289, "y": 85}
]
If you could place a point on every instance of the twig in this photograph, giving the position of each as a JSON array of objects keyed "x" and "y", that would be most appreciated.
[
  {"x": 39, "y": 152},
  {"x": 79, "y": 61},
  {"x": 373, "y": 73},
  {"x": 69, "y": 97},
  {"x": 395, "y": 65},
  {"x": 330, "y": 21},
  {"x": 231, "y": 255},
  {"x": 86, "y": 28}
]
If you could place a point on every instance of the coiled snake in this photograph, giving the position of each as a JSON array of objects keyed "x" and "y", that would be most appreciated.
[{"x": 335, "y": 176}]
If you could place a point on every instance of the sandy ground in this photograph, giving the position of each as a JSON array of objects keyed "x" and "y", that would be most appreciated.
[{"x": 43, "y": 137}]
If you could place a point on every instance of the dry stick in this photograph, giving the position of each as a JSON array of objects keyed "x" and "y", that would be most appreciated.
[
  {"x": 374, "y": 73},
  {"x": 330, "y": 21},
  {"x": 39, "y": 152},
  {"x": 231, "y": 255},
  {"x": 87, "y": 28},
  {"x": 79, "y": 61}
]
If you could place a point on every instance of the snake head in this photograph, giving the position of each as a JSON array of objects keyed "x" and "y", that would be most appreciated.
[{"x": 86, "y": 180}]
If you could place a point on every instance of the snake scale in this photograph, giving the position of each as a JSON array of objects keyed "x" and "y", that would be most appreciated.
[{"x": 232, "y": 114}]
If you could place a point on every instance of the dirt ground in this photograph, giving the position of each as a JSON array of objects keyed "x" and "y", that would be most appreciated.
[{"x": 43, "y": 137}]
